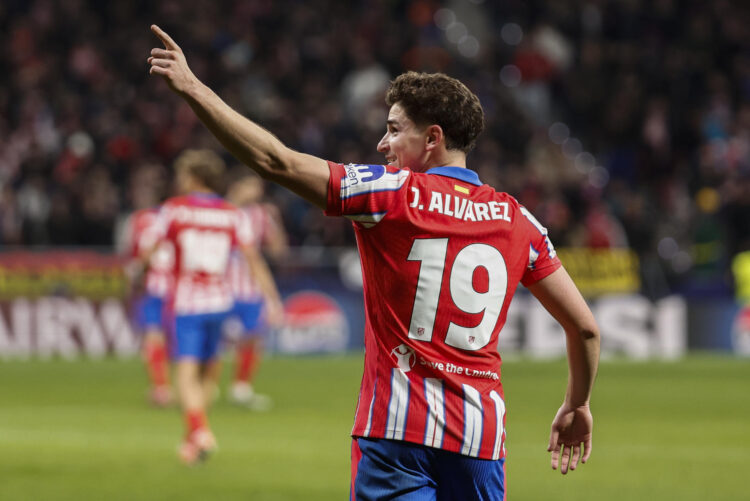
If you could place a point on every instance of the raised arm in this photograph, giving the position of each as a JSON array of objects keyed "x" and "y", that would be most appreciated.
[
  {"x": 573, "y": 425},
  {"x": 254, "y": 146}
]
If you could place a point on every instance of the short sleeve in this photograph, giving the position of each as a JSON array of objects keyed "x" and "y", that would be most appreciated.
[
  {"x": 156, "y": 231},
  {"x": 363, "y": 193},
  {"x": 543, "y": 259}
]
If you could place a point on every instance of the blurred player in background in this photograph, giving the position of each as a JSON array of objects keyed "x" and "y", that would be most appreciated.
[
  {"x": 149, "y": 300},
  {"x": 204, "y": 229},
  {"x": 267, "y": 234},
  {"x": 442, "y": 255}
]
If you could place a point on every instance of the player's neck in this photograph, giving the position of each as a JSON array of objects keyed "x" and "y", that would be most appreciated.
[
  {"x": 448, "y": 158},
  {"x": 197, "y": 188}
]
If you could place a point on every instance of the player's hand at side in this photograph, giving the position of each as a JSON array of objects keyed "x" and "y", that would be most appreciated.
[
  {"x": 135, "y": 273},
  {"x": 274, "y": 313},
  {"x": 570, "y": 437},
  {"x": 170, "y": 63}
]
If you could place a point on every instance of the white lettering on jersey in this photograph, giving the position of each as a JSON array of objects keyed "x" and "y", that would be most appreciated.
[
  {"x": 430, "y": 252},
  {"x": 448, "y": 211},
  {"x": 205, "y": 251},
  {"x": 436, "y": 202},
  {"x": 433, "y": 389},
  {"x": 469, "y": 300},
  {"x": 398, "y": 406},
  {"x": 470, "y": 212},
  {"x": 472, "y": 421},
  {"x": 460, "y": 206},
  {"x": 482, "y": 211},
  {"x": 362, "y": 179},
  {"x": 495, "y": 210},
  {"x": 499, "y": 413},
  {"x": 215, "y": 218},
  {"x": 415, "y": 202},
  {"x": 463, "y": 209}
]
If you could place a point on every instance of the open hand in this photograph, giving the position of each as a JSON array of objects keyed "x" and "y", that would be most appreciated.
[
  {"x": 170, "y": 63},
  {"x": 571, "y": 431}
]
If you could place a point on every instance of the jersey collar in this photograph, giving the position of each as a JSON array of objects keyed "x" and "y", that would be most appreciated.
[
  {"x": 202, "y": 194},
  {"x": 460, "y": 173}
]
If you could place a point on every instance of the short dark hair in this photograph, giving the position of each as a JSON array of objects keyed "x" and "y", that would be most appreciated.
[
  {"x": 204, "y": 165},
  {"x": 436, "y": 98}
]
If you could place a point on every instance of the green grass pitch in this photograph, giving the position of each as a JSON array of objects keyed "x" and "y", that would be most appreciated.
[{"x": 82, "y": 430}]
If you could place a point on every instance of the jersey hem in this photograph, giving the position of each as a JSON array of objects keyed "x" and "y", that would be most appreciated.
[{"x": 417, "y": 439}]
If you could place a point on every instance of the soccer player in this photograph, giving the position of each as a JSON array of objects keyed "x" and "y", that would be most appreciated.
[
  {"x": 268, "y": 233},
  {"x": 151, "y": 289},
  {"x": 204, "y": 229},
  {"x": 149, "y": 307},
  {"x": 442, "y": 255}
]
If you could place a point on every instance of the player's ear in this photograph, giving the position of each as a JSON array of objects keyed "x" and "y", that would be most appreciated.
[{"x": 433, "y": 136}]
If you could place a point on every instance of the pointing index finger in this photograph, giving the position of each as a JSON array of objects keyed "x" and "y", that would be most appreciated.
[{"x": 165, "y": 39}]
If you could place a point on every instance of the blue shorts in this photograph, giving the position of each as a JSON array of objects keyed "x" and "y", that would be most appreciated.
[
  {"x": 148, "y": 312},
  {"x": 390, "y": 469},
  {"x": 250, "y": 315},
  {"x": 198, "y": 336}
]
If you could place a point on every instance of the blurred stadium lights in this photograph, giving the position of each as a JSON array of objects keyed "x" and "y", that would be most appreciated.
[
  {"x": 458, "y": 33},
  {"x": 468, "y": 46},
  {"x": 584, "y": 162},
  {"x": 682, "y": 261},
  {"x": 598, "y": 177},
  {"x": 510, "y": 75},
  {"x": 571, "y": 147},
  {"x": 80, "y": 144},
  {"x": 444, "y": 18},
  {"x": 559, "y": 132},
  {"x": 667, "y": 248},
  {"x": 511, "y": 33}
]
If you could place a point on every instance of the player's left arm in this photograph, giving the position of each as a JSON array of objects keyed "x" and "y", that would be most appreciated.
[
  {"x": 253, "y": 145},
  {"x": 263, "y": 277},
  {"x": 148, "y": 243},
  {"x": 275, "y": 240},
  {"x": 572, "y": 427}
]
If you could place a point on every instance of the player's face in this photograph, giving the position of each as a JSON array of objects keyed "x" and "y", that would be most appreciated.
[{"x": 404, "y": 142}]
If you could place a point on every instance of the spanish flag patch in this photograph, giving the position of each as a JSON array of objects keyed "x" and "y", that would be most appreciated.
[{"x": 463, "y": 190}]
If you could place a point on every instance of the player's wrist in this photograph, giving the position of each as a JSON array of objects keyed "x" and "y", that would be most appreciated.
[
  {"x": 196, "y": 91},
  {"x": 572, "y": 403}
]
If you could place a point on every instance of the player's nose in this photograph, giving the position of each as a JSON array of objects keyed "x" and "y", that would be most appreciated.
[{"x": 383, "y": 145}]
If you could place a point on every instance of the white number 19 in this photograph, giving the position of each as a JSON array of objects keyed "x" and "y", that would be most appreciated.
[{"x": 431, "y": 253}]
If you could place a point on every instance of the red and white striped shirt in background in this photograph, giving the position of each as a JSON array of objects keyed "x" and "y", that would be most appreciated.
[
  {"x": 159, "y": 274},
  {"x": 244, "y": 286},
  {"x": 442, "y": 255},
  {"x": 204, "y": 229}
]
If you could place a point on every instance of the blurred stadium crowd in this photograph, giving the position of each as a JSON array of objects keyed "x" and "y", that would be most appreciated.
[{"x": 617, "y": 123}]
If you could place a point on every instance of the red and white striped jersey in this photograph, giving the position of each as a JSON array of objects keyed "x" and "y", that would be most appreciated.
[
  {"x": 158, "y": 277},
  {"x": 442, "y": 255},
  {"x": 244, "y": 286},
  {"x": 204, "y": 229}
]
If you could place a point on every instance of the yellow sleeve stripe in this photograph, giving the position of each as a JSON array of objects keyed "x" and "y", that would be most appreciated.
[{"x": 461, "y": 189}]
